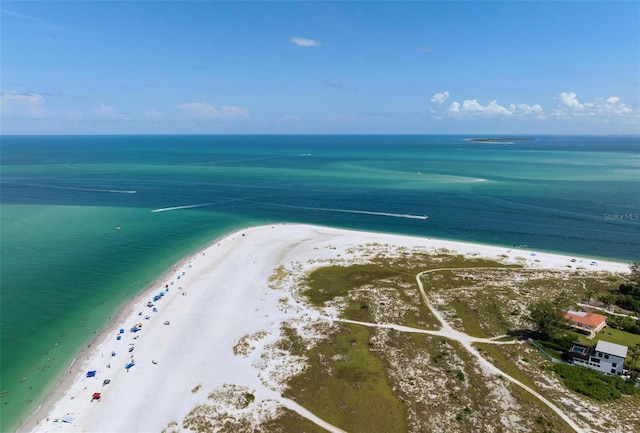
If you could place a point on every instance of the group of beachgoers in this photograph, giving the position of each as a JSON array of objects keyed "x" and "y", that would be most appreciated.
[{"x": 124, "y": 343}]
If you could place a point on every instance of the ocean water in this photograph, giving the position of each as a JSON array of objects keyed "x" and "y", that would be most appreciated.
[{"x": 66, "y": 269}]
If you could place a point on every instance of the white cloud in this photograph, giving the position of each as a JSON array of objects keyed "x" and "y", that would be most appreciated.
[
  {"x": 22, "y": 105},
  {"x": 569, "y": 100},
  {"x": 602, "y": 108},
  {"x": 473, "y": 108},
  {"x": 231, "y": 111},
  {"x": 454, "y": 108},
  {"x": 200, "y": 110},
  {"x": 33, "y": 106},
  {"x": 290, "y": 118},
  {"x": 439, "y": 98},
  {"x": 569, "y": 106},
  {"x": 108, "y": 112},
  {"x": 304, "y": 42},
  {"x": 530, "y": 109},
  {"x": 471, "y": 105}
]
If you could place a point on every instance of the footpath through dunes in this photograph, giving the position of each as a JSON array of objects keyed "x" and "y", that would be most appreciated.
[
  {"x": 466, "y": 341},
  {"x": 206, "y": 342}
]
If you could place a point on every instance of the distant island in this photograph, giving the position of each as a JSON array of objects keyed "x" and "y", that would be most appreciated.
[{"x": 501, "y": 140}]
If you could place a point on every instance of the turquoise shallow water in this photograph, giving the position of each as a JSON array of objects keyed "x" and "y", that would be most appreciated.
[{"x": 66, "y": 269}]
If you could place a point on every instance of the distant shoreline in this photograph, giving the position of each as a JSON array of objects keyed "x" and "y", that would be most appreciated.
[{"x": 503, "y": 140}]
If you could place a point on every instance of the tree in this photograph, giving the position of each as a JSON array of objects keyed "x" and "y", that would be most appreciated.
[
  {"x": 608, "y": 299},
  {"x": 589, "y": 294},
  {"x": 635, "y": 273},
  {"x": 548, "y": 319},
  {"x": 634, "y": 355}
]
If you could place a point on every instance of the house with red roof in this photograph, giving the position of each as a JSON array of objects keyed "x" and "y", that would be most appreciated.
[{"x": 586, "y": 321}]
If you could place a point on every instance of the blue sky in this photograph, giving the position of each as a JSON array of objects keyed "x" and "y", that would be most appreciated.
[{"x": 320, "y": 67}]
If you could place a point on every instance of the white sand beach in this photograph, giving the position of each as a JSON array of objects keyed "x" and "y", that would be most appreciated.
[{"x": 213, "y": 299}]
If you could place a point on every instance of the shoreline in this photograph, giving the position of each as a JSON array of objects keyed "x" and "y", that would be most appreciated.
[
  {"x": 123, "y": 311},
  {"x": 203, "y": 270}
]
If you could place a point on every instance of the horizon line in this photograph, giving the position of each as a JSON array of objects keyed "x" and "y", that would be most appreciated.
[{"x": 479, "y": 135}]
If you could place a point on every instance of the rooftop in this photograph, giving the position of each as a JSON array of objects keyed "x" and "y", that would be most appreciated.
[
  {"x": 585, "y": 318},
  {"x": 612, "y": 348}
]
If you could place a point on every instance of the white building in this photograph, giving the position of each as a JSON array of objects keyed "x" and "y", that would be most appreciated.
[{"x": 605, "y": 357}]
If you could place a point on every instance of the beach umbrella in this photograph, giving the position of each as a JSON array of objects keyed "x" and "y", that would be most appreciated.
[
  {"x": 106, "y": 382},
  {"x": 96, "y": 396},
  {"x": 91, "y": 373}
]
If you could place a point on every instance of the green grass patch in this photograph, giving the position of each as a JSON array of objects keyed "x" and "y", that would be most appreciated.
[
  {"x": 346, "y": 385},
  {"x": 594, "y": 384},
  {"x": 470, "y": 319},
  {"x": 613, "y": 336},
  {"x": 554, "y": 349},
  {"x": 501, "y": 360},
  {"x": 461, "y": 262},
  {"x": 423, "y": 318},
  {"x": 359, "y": 310},
  {"x": 331, "y": 281}
]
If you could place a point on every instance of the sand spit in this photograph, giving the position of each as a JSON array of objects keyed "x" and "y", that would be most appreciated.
[{"x": 207, "y": 333}]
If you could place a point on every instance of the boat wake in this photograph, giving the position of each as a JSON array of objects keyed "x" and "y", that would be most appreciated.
[
  {"x": 73, "y": 188},
  {"x": 192, "y": 206},
  {"x": 352, "y": 211},
  {"x": 322, "y": 209}
]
